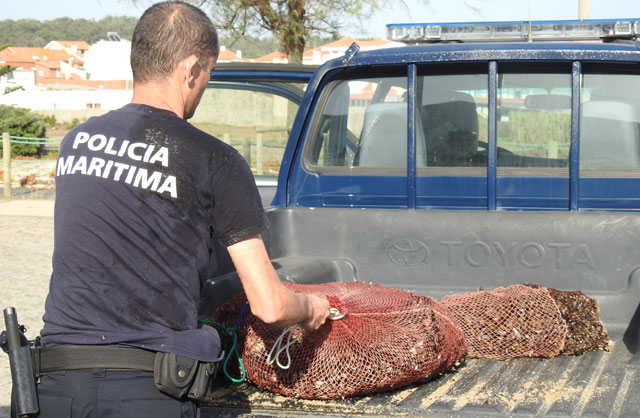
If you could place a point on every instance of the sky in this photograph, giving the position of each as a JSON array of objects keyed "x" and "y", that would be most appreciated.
[{"x": 397, "y": 11}]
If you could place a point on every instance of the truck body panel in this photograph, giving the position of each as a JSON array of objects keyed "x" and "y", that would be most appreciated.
[{"x": 565, "y": 217}]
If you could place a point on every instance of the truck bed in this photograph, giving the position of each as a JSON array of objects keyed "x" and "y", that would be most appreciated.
[
  {"x": 462, "y": 252},
  {"x": 595, "y": 384}
]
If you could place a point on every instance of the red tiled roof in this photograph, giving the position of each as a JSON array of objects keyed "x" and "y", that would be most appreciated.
[
  {"x": 21, "y": 56},
  {"x": 342, "y": 42},
  {"x": 48, "y": 64},
  {"x": 226, "y": 55},
  {"x": 80, "y": 45},
  {"x": 345, "y": 43},
  {"x": 277, "y": 55},
  {"x": 24, "y": 57},
  {"x": 77, "y": 81}
]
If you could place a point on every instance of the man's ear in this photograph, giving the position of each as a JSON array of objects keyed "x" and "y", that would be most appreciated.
[{"x": 192, "y": 68}]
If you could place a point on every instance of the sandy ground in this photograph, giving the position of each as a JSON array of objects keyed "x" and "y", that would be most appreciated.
[{"x": 25, "y": 267}]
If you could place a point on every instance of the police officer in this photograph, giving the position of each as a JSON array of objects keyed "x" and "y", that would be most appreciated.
[{"x": 140, "y": 193}]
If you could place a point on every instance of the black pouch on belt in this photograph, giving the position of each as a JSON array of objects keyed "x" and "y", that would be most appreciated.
[{"x": 179, "y": 376}]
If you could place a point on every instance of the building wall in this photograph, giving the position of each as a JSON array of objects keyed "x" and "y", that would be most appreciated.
[
  {"x": 66, "y": 115},
  {"x": 68, "y": 99},
  {"x": 241, "y": 108}
]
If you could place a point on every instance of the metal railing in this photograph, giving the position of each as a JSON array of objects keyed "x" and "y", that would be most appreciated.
[{"x": 7, "y": 140}]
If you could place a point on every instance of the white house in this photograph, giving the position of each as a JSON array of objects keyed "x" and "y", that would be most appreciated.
[
  {"x": 17, "y": 78},
  {"x": 109, "y": 60}
]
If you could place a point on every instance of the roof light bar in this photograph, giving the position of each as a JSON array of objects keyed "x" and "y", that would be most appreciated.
[{"x": 576, "y": 30}]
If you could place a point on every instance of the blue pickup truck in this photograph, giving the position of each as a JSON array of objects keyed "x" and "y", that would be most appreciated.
[{"x": 448, "y": 167}]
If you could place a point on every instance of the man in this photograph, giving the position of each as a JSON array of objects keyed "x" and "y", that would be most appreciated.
[{"x": 139, "y": 195}]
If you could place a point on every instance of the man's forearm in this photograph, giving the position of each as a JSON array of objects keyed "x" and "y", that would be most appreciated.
[{"x": 268, "y": 298}]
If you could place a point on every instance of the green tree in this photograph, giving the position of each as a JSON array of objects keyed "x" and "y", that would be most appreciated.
[
  {"x": 292, "y": 22},
  {"x": 32, "y": 32},
  {"x": 22, "y": 122}
]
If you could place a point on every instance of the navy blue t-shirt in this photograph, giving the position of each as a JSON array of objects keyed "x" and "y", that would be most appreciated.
[{"x": 139, "y": 195}]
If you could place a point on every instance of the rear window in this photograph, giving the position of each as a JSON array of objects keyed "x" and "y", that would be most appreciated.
[
  {"x": 534, "y": 119},
  {"x": 610, "y": 123}
]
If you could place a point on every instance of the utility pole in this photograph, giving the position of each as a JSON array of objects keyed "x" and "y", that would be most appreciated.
[{"x": 584, "y": 7}]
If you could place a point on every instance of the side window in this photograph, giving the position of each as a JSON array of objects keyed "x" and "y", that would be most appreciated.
[
  {"x": 257, "y": 124},
  {"x": 609, "y": 123},
  {"x": 363, "y": 123},
  {"x": 534, "y": 119}
]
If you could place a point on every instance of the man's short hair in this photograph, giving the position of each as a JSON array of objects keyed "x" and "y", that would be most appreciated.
[{"x": 166, "y": 34}]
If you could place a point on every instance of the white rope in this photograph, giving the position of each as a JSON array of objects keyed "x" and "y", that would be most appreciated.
[{"x": 279, "y": 348}]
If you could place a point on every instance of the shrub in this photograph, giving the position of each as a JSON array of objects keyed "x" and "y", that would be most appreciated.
[
  {"x": 11, "y": 89},
  {"x": 72, "y": 124},
  {"x": 50, "y": 121},
  {"x": 18, "y": 121}
]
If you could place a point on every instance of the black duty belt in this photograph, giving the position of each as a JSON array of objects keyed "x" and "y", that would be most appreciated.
[{"x": 77, "y": 357}]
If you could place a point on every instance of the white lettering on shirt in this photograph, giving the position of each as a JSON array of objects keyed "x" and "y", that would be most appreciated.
[
  {"x": 162, "y": 155},
  {"x": 81, "y": 138},
  {"x": 64, "y": 165},
  {"x": 109, "y": 150},
  {"x": 105, "y": 168},
  {"x": 80, "y": 165},
  {"x": 169, "y": 185},
  {"x": 95, "y": 165},
  {"x": 147, "y": 153},
  {"x": 132, "y": 148},
  {"x": 123, "y": 148},
  {"x": 132, "y": 170},
  {"x": 120, "y": 167},
  {"x": 93, "y": 146},
  {"x": 147, "y": 182}
]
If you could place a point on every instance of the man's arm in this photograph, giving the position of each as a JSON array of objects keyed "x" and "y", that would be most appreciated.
[{"x": 269, "y": 299}]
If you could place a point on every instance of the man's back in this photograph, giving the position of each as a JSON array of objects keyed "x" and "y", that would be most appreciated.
[{"x": 138, "y": 190}]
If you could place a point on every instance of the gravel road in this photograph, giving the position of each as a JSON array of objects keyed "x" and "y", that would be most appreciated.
[{"x": 26, "y": 247}]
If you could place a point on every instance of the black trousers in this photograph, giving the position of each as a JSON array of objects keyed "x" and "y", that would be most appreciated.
[{"x": 100, "y": 393}]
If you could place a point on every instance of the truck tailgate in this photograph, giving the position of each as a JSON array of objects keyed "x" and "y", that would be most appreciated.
[{"x": 595, "y": 384}]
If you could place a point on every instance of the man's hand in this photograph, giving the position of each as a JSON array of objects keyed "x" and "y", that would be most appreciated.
[
  {"x": 269, "y": 299},
  {"x": 319, "y": 308}
]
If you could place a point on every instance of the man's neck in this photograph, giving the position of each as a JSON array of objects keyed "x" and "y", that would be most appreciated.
[{"x": 159, "y": 95}]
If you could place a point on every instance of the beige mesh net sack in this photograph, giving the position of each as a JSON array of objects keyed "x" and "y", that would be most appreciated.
[{"x": 527, "y": 321}]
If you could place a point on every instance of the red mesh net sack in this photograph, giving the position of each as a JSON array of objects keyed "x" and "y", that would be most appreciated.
[
  {"x": 516, "y": 321},
  {"x": 388, "y": 338}
]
